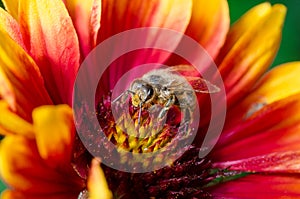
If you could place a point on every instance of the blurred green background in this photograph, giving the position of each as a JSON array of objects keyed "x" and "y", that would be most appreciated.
[{"x": 290, "y": 46}]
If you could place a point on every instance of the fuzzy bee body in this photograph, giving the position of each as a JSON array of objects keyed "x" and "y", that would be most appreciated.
[{"x": 166, "y": 87}]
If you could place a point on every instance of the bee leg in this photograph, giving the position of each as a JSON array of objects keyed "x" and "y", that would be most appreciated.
[
  {"x": 140, "y": 114},
  {"x": 183, "y": 127},
  {"x": 186, "y": 120},
  {"x": 167, "y": 106},
  {"x": 163, "y": 113},
  {"x": 187, "y": 115}
]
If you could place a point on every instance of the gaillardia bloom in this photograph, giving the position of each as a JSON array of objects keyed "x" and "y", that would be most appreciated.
[{"x": 43, "y": 43}]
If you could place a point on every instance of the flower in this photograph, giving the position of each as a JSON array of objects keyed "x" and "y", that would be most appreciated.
[
  {"x": 40, "y": 55},
  {"x": 42, "y": 46}
]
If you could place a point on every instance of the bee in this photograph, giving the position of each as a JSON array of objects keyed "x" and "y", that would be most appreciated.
[{"x": 166, "y": 87}]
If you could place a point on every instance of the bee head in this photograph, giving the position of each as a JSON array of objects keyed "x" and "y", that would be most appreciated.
[{"x": 142, "y": 92}]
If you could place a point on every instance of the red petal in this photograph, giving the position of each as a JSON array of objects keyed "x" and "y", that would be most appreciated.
[
  {"x": 86, "y": 19},
  {"x": 260, "y": 186},
  {"x": 277, "y": 162},
  {"x": 52, "y": 41},
  {"x": 275, "y": 128},
  {"x": 118, "y": 16}
]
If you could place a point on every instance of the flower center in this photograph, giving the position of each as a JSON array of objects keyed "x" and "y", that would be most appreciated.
[
  {"x": 183, "y": 178},
  {"x": 144, "y": 130}
]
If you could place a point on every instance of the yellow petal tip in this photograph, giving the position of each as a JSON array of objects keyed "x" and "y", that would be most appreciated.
[
  {"x": 278, "y": 13},
  {"x": 264, "y": 5},
  {"x": 97, "y": 185},
  {"x": 262, "y": 8},
  {"x": 280, "y": 8}
]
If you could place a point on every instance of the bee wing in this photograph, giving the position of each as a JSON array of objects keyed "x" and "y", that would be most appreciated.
[
  {"x": 184, "y": 70},
  {"x": 202, "y": 85},
  {"x": 180, "y": 68},
  {"x": 198, "y": 84}
]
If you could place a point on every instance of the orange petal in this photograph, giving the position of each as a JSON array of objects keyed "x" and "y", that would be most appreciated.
[
  {"x": 11, "y": 123},
  {"x": 97, "y": 184},
  {"x": 10, "y": 25},
  {"x": 118, "y": 16},
  {"x": 12, "y": 7},
  {"x": 281, "y": 82},
  {"x": 52, "y": 41},
  {"x": 247, "y": 22},
  {"x": 12, "y": 194},
  {"x": 86, "y": 18},
  {"x": 250, "y": 50},
  {"x": 55, "y": 132},
  {"x": 260, "y": 186},
  {"x": 21, "y": 83},
  {"x": 22, "y": 168},
  {"x": 209, "y": 24}
]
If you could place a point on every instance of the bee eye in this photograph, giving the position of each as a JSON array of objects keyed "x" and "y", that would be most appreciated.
[{"x": 150, "y": 92}]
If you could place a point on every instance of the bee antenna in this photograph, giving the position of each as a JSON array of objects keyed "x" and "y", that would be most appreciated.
[
  {"x": 129, "y": 91},
  {"x": 125, "y": 92}
]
